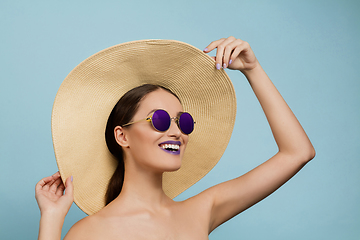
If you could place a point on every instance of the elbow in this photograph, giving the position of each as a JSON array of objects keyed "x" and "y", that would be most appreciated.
[
  {"x": 307, "y": 154},
  {"x": 311, "y": 154},
  {"x": 302, "y": 155}
]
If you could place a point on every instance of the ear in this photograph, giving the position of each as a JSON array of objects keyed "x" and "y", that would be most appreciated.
[{"x": 120, "y": 136}]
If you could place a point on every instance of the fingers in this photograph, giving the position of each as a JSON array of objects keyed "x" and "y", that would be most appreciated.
[
  {"x": 69, "y": 187},
  {"x": 213, "y": 45},
  {"x": 46, "y": 182},
  {"x": 223, "y": 52},
  {"x": 60, "y": 189},
  {"x": 228, "y": 50},
  {"x": 224, "y": 49},
  {"x": 238, "y": 46},
  {"x": 55, "y": 185},
  {"x": 50, "y": 183},
  {"x": 43, "y": 182}
]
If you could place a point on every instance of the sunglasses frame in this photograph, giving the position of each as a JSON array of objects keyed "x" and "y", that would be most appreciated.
[{"x": 149, "y": 119}]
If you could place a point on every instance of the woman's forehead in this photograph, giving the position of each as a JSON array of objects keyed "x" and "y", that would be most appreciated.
[{"x": 160, "y": 99}]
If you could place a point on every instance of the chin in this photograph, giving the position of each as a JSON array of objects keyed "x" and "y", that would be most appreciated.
[
  {"x": 174, "y": 169},
  {"x": 171, "y": 168}
]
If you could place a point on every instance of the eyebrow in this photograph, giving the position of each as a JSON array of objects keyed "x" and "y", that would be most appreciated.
[
  {"x": 178, "y": 114},
  {"x": 151, "y": 112}
]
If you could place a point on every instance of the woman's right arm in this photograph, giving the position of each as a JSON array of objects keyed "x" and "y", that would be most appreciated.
[{"x": 54, "y": 205}]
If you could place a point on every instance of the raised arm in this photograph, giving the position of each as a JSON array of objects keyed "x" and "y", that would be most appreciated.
[
  {"x": 53, "y": 204},
  {"x": 295, "y": 149}
]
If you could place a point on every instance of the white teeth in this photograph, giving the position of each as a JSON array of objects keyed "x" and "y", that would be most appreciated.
[{"x": 170, "y": 146}]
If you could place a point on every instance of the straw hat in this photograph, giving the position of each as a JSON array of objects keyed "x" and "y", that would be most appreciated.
[{"x": 91, "y": 90}]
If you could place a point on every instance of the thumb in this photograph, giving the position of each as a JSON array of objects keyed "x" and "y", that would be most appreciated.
[{"x": 69, "y": 187}]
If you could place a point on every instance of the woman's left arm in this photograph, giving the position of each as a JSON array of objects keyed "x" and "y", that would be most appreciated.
[{"x": 295, "y": 149}]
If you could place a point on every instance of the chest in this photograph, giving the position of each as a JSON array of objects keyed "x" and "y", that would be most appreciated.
[{"x": 153, "y": 228}]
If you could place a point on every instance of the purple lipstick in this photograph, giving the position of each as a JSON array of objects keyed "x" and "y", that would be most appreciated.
[{"x": 172, "y": 147}]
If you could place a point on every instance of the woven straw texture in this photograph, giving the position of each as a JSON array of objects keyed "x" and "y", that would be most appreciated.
[{"x": 88, "y": 94}]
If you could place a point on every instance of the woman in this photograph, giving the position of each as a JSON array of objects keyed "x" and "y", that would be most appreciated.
[{"x": 142, "y": 210}]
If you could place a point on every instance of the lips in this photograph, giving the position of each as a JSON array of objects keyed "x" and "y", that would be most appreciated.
[{"x": 172, "y": 147}]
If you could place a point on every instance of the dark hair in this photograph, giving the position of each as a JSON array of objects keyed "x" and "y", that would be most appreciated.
[{"x": 121, "y": 114}]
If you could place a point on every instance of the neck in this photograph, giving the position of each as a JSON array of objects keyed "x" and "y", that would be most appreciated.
[{"x": 142, "y": 189}]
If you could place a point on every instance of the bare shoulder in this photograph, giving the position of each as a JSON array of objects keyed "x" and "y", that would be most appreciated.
[{"x": 87, "y": 228}]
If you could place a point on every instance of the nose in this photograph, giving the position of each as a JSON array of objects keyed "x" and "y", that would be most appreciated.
[{"x": 174, "y": 129}]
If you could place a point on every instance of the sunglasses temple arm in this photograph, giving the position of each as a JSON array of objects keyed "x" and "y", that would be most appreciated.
[{"x": 127, "y": 124}]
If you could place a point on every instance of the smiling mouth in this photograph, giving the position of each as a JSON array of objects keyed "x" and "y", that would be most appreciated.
[{"x": 172, "y": 147}]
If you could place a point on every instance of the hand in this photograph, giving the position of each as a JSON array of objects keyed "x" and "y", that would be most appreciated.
[
  {"x": 233, "y": 53},
  {"x": 50, "y": 196}
]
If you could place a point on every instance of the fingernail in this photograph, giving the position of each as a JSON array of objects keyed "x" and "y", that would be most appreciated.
[
  {"x": 71, "y": 178},
  {"x": 230, "y": 61},
  {"x": 205, "y": 50},
  {"x": 218, "y": 66},
  {"x": 224, "y": 65}
]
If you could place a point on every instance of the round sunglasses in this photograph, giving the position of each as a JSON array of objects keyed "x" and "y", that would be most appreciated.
[{"x": 161, "y": 120}]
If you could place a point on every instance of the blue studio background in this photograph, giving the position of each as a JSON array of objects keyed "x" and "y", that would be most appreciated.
[{"x": 310, "y": 49}]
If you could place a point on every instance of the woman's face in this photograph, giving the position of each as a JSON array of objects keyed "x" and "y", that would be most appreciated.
[{"x": 146, "y": 144}]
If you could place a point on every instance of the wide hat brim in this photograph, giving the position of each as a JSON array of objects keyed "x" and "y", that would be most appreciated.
[{"x": 89, "y": 93}]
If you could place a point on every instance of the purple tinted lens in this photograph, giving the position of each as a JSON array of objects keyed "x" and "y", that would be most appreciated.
[
  {"x": 161, "y": 120},
  {"x": 186, "y": 123}
]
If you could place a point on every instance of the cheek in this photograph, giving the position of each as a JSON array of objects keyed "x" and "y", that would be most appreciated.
[
  {"x": 141, "y": 140},
  {"x": 186, "y": 139}
]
